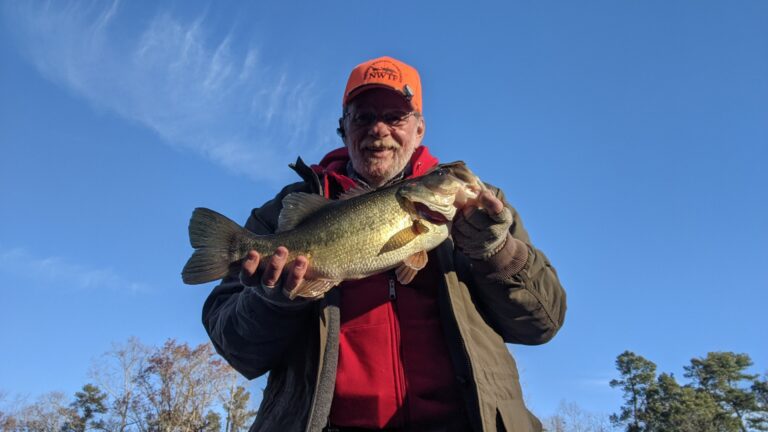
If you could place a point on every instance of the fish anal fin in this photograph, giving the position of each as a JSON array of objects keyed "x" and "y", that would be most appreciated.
[
  {"x": 297, "y": 207},
  {"x": 313, "y": 288}
]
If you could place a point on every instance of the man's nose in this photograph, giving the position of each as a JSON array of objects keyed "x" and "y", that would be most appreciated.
[{"x": 379, "y": 129}]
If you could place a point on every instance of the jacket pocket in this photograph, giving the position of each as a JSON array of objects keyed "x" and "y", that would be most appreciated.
[{"x": 515, "y": 417}]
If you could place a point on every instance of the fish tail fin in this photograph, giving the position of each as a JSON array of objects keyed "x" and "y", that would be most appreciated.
[{"x": 217, "y": 240}]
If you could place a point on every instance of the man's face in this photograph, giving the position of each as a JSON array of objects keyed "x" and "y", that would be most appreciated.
[{"x": 381, "y": 134}]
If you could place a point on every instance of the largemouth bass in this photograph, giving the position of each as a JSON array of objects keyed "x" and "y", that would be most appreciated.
[{"x": 362, "y": 233}]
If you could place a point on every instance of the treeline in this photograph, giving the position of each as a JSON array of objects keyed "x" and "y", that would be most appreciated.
[
  {"x": 141, "y": 388},
  {"x": 178, "y": 388},
  {"x": 719, "y": 396}
]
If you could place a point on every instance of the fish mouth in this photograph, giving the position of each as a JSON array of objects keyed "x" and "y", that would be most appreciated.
[
  {"x": 437, "y": 196},
  {"x": 457, "y": 191},
  {"x": 434, "y": 216},
  {"x": 436, "y": 207}
]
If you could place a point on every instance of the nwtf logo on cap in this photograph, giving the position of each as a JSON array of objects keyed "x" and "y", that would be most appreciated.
[{"x": 383, "y": 70}]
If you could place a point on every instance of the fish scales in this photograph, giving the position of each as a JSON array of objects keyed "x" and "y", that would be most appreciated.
[{"x": 347, "y": 237}]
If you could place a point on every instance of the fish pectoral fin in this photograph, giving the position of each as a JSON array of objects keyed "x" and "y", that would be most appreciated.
[
  {"x": 313, "y": 288},
  {"x": 297, "y": 207},
  {"x": 404, "y": 236}
]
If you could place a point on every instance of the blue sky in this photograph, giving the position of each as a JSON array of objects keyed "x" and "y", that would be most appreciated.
[{"x": 631, "y": 136}]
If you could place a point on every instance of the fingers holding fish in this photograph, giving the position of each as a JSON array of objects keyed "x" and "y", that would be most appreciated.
[
  {"x": 294, "y": 274},
  {"x": 490, "y": 203},
  {"x": 482, "y": 231},
  {"x": 485, "y": 200},
  {"x": 274, "y": 268},
  {"x": 278, "y": 271},
  {"x": 248, "y": 274}
]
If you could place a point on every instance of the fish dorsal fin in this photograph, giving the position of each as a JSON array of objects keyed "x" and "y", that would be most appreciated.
[
  {"x": 313, "y": 288},
  {"x": 297, "y": 207},
  {"x": 404, "y": 236},
  {"x": 411, "y": 266},
  {"x": 355, "y": 191}
]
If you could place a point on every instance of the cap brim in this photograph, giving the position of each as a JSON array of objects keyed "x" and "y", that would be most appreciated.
[{"x": 365, "y": 87}]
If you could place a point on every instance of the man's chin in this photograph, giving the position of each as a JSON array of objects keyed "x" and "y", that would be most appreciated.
[
  {"x": 378, "y": 172},
  {"x": 379, "y": 155}
]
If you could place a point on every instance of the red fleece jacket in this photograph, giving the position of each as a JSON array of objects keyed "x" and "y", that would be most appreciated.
[{"x": 394, "y": 367}]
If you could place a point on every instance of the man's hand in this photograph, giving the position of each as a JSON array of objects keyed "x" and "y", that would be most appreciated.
[
  {"x": 481, "y": 230},
  {"x": 292, "y": 275},
  {"x": 487, "y": 201}
]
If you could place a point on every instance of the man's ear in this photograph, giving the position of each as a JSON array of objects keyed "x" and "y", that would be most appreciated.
[
  {"x": 421, "y": 128},
  {"x": 340, "y": 130}
]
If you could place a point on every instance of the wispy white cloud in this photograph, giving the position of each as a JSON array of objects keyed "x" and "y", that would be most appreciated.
[
  {"x": 63, "y": 273},
  {"x": 216, "y": 97}
]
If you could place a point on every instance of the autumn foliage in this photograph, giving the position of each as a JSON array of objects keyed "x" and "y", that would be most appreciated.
[{"x": 172, "y": 388}]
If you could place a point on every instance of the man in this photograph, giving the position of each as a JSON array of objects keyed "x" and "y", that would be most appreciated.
[{"x": 374, "y": 354}]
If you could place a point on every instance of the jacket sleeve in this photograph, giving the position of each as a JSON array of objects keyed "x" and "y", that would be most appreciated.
[
  {"x": 248, "y": 327},
  {"x": 518, "y": 290}
]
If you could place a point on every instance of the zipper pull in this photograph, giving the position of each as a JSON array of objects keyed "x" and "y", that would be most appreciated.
[{"x": 392, "y": 294}]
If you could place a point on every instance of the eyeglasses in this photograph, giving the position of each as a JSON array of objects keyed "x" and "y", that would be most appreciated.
[{"x": 368, "y": 118}]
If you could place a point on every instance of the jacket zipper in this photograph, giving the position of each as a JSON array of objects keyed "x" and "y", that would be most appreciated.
[
  {"x": 400, "y": 385},
  {"x": 467, "y": 362},
  {"x": 465, "y": 356}
]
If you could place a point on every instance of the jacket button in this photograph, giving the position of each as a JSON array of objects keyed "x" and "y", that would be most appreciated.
[{"x": 461, "y": 380}]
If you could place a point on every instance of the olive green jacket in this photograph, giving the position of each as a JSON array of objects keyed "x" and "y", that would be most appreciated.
[{"x": 514, "y": 297}]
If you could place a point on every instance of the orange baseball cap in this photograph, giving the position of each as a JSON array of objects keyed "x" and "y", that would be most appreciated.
[{"x": 388, "y": 73}]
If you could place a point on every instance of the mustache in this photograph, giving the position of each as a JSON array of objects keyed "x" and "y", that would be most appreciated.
[{"x": 379, "y": 144}]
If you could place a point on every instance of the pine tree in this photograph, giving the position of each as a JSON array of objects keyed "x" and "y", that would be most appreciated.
[
  {"x": 722, "y": 375},
  {"x": 238, "y": 414},
  {"x": 677, "y": 408},
  {"x": 88, "y": 403},
  {"x": 760, "y": 419},
  {"x": 637, "y": 380}
]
